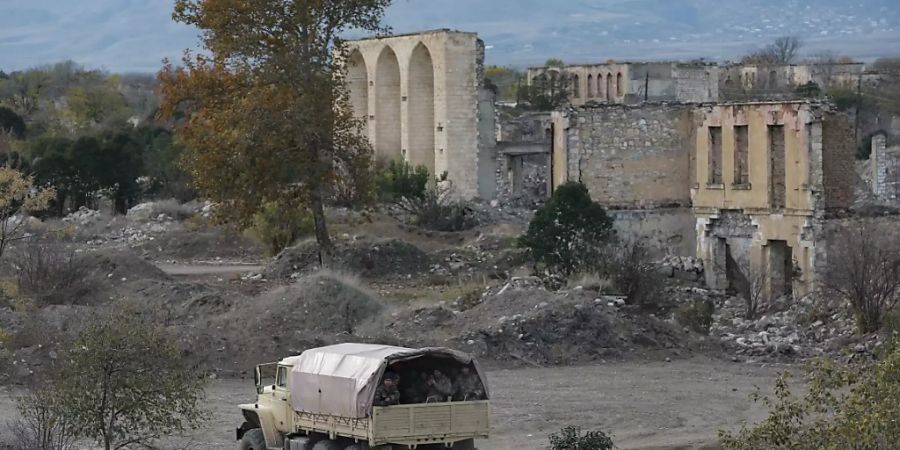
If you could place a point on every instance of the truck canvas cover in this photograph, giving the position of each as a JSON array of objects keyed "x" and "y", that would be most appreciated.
[{"x": 340, "y": 380}]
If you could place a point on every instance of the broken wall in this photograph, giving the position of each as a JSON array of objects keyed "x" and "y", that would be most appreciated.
[{"x": 629, "y": 157}]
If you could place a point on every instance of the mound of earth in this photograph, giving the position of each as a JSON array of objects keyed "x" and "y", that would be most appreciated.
[
  {"x": 202, "y": 245},
  {"x": 237, "y": 333},
  {"x": 367, "y": 258},
  {"x": 540, "y": 327}
]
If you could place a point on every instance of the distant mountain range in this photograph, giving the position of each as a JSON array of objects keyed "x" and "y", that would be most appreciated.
[{"x": 135, "y": 35}]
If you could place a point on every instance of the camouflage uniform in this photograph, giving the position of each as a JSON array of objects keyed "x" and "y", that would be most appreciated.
[
  {"x": 439, "y": 387},
  {"x": 386, "y": 395},
  {"x": 468, "y": 387}
]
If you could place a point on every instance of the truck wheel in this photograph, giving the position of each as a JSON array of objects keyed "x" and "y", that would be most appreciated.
[
  {"x": 327, "y": 444},
  {"x": 360, "y": 446},
  {"x": 253, "y": 440}
]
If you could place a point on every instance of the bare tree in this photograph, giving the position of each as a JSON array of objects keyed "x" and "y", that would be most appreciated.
[
  {"x": 785, "y": 49},
  {"x": 41, "y": 425},
  {"x": 864, "y": 270}
]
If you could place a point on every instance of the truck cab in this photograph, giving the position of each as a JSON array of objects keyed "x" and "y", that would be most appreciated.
[{"x": 324, "y": 399}]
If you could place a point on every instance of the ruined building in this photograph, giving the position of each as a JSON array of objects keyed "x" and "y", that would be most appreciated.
[
  {"x": 636, "y": 82},
  {"x": 751, "y": 81},
  {"x": 883, "y": 170},
  {"x": 746, "y": 187},
  {"x": 421, "y": 96}
]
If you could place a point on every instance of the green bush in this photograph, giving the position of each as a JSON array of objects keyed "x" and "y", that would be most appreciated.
[
  {"x": 277, "y": 226},
  {"x": 569, "y": 233},
  {"x": 846, "y": 406},
  {"x": 572, "y": 438},
  {"x": 437, "y": 209},
  {"x": 400, "y": 180},
  {"x": 697, "y": 315}
]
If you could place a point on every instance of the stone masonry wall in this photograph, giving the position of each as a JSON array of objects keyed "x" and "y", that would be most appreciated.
[{"x": 632, "y": 157}]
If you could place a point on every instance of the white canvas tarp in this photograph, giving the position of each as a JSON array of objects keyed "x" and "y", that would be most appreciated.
[{"x": 341, "y": 379}]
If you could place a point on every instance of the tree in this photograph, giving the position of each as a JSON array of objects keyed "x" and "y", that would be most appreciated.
[
  {"x": 11, "y": 123},
  {"x": 267, "y": 115},
  {"x": 863, "y": 269},
  {"x": 554, "y": 62},
  {"x": 548, "y": 91},
  {"x": 784, "y": 50},
  {"x": 124, "y": 383},
  {"x": 570, "y": 231},
  {"x": 17, "y": 198},
  {"x": 846, "y": 406}
]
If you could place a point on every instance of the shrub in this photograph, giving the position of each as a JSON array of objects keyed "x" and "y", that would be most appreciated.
[
  {"x": 400, "y": 180},
  {"x": 569, "y": 232},
  {"x": 48, "y": 273},
  {"x": 854, "y": 405},
  {"x": 41, "y": 424},
  {"x": 572, "y": 438},
  {"x": 633, "y": 273},
  {"x": 696, "y": 315},
  {"x": 277, "y": 226},
  {"x": 437, "y": 210},
  {"x": 864, "y": 270}
]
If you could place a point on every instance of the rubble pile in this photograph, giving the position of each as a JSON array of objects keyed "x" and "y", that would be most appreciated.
[
  {"x": 798, "y": 329},
  {"x": 673, "y": 266},
  {"x": 83, "y": 217}
]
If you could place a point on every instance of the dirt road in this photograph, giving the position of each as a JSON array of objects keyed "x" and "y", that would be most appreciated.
[{"x": 677, "y": 405}]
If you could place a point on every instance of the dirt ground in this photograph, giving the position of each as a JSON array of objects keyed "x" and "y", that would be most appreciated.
[{"x": 657, "y": 405}]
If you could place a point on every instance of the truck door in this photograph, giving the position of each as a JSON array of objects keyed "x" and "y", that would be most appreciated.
[{"x": 281, "y": 406}]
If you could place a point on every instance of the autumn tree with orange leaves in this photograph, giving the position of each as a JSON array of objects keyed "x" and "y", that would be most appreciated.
[{"x": 263, "y": 112}]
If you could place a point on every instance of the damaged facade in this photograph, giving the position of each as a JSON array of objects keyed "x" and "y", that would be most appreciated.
[
  {"x": 636, "y": 82},
  {"x": 745, "y": 187},
  {"x": 421, "y": 97},
  {"x": 883, "y": 170}
]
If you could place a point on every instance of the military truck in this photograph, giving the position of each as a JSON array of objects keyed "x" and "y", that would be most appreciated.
[{"x": 323, "y": 400}]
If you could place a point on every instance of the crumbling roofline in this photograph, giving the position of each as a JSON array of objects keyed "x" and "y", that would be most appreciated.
[{"x": 417, "y": 33}]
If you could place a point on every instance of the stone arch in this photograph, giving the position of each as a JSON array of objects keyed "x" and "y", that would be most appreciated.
[
  {"x": 773, "y": 79},
  {"x": 591, "y": 93},
  {"x": 358, "y": 84},
  {"x": 576, "y": 86},
  {"x": 619, "y": 88},
  {"x": 420, "y": 110},
  {"x": 609, "y": 88},
  {"x": 387, "y": 114}
]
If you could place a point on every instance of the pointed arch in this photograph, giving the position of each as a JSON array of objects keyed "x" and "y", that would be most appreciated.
[
  {"x": 420, "y": 111},
  {"x": 387, "y": 114},
  {"x": 576, "y": 86},
  {"x": 591, "y": 92},
  {"x": 620, "y": 89},
  {"x": 610, "y": 95}
]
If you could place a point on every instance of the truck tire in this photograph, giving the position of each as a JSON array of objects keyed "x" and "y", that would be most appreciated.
[
  {"x": 253, "y": 440},
  {"x": 359, "y": 446},
  {"x": 328, "y": 444},
  {"x": 468, "y": 444}
]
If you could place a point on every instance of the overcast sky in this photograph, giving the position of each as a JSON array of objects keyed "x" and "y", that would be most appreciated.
[{"x": 135, "y": 35}]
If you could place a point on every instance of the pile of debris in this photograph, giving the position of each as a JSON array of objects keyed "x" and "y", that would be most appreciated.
[
  {"x": 800, "y": 329},
  {"x": 84, "y": 217},
  {"x": 681, "y": 266}
]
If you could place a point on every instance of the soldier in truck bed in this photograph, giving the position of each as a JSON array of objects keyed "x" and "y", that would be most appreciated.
[
  {"x": 387, "y": 393},
  {"x": 467, "y": 386},
  {"x": 439, "y": 387}
]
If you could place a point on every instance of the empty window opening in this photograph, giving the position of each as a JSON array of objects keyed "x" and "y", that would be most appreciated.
[
  {"x": 619, "y": 87},
  {"x": 576, "y": 86},
  {"x": 609, "y": 88},
  {"x": 777, "y": 188},
  {"x": 715, "y": 155},
  {"x": 773, "y": 79},
  {"x": 590, "y": 83},
  {"x": 741, "y": 155}
]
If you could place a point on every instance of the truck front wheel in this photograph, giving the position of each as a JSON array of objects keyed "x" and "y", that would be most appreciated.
[
  {"x": 328, "y": 444},
  {"x": 253, "y": 440}
]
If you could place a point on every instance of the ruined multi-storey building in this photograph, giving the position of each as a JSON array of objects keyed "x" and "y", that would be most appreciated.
[
  {"x": 758, "y": 81},
  {"x": 421, "y": 96},
  {"x": 635, "y": 82},
  {"x": 745, "y": 187}
]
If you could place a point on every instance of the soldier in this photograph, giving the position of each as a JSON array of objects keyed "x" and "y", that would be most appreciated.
[
  {"x": 439, "y": 387},
  {"x": 468, "y": 386},
  {"x": 387, "y": 394}
]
